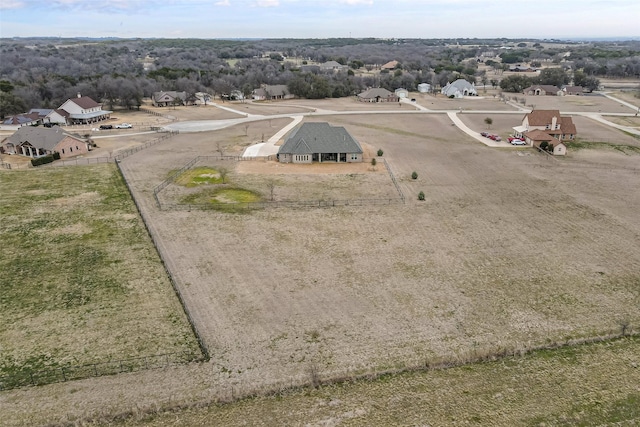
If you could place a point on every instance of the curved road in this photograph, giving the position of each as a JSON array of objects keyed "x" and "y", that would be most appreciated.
[{"x": 269, "y": 147}]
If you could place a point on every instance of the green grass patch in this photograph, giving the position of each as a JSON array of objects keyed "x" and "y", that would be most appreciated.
[
  {"x": 199, "y": 176},
  {"x": 224, "y": 198},
  {"x": 81, "y": 280},
  {"x": 599, "y": 145}
]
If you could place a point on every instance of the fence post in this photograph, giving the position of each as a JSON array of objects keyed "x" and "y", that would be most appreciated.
[
  {"x": 64, "y": 377},
  {"x": 95, "y": 370}
]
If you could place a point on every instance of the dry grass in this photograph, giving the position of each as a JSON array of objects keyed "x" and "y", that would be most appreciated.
[
  {"x": 510, "y": 249},
  {"x": 81, "y": 281},
  {"x": 507, "y": 248},
  {"x": 596, "y": 384}
]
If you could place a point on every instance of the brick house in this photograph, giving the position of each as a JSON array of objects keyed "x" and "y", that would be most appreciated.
[
  {"x": 377, "y": 94},
  {"x": 320, "y": 142},
  {"x": 39, "y": 141}
]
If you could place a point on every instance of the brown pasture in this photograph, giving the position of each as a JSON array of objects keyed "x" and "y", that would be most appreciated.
[{"x": 510, "y": 249}]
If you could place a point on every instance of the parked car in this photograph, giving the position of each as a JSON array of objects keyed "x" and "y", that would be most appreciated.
[
  {"x": 124, "y": 126},
  {"x": 518, "y": 142},
  {"x": 104, "y": 127},
  {"x": 485, "y": 134},
  {"x": 495, "y": 137}
]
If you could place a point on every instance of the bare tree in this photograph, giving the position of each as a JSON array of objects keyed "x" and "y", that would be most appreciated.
[
  {"x": 271, "y": 186},
  {"x": 219, "y": 148},
  {"x": 223, "y": 172}
]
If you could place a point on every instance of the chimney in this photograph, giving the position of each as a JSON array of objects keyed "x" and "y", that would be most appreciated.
[{"x": 79, "y": 96}]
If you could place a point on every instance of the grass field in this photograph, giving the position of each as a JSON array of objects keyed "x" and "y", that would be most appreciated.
[
  {"x": 595, "y": 384},
  {"x": 81, "y": 281}
]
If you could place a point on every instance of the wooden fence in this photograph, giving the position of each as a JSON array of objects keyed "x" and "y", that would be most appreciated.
[{"x": 267, "y": 204}]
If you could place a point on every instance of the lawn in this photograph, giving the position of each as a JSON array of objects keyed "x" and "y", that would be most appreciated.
[{"x": 82, "y": 282}]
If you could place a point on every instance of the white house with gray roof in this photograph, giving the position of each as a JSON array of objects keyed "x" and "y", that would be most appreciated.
[
  {"x": 320, "y": 142},
  {"x": 459, "y": 89}
]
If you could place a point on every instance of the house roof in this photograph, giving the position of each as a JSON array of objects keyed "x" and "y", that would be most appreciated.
[
  {"x": 310, "y": 138},
  {"x": 543, "y": 117},
  {"x": 573, "y": 89},
  {"x": 41, "y": 112},
  {"x": 390, "y": 65},
  {"x": 461, "y": 84},
  {"x": 39, "y": 137},
  {"x": 21, "y": 119},
  {"x": 538, "y": 135},
  {"x": 546, "y": 88},
  {"x": 275, "y": 90},
  {"x": 158, "y": 96},
  {"x": 567, "y": 126},
  {"x": 84, "y": 102},
  {"x": 375, "y": 92}
]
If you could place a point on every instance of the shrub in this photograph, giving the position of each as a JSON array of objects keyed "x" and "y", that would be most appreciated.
[
  {"x": 380, "y": 152},
  {"x": 544, "y": 145},
  {"x": 421, "y": 195},
  {"x": 373, "y": 162},
  {"x": 42, "y": 160},
  {"x": 56, "y": 156},
  {"x": 414, "y": 175}
]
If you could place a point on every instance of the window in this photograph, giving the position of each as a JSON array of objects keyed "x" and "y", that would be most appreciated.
[
  {"x": 63, "y": 151},
  {"x": 71, "y": 149},
  {"x": 354, "y": 157}
]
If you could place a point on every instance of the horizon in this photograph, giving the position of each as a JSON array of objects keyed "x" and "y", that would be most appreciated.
[{"x": 301, "y": 19}]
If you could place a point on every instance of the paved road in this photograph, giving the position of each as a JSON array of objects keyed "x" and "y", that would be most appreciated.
[{"x": 269, "y": 148}]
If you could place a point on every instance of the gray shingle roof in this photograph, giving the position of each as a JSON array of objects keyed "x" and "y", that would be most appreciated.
[
  {"x": 310, "y": 138},
  {"x": 375, "y": 92},
  {"x": 39, "y": 137}
]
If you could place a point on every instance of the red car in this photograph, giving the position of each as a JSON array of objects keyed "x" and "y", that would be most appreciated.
[{"x": 495, "y": 137}]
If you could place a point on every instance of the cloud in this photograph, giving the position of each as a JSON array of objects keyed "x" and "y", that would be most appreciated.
[
  {"x": 267, "y": 3},
  {"x": 223, "y": 3},
  {"x": 357, "y": 2},
  {"x": 11, "y": 4}
]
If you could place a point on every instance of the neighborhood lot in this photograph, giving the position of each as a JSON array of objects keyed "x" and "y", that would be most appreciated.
[
  {"x": 81, "y": 282},
  {"x": 508, "y": 250}
]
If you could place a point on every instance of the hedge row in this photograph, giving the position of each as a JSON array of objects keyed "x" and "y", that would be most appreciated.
[{"x": 45, "y": 159}]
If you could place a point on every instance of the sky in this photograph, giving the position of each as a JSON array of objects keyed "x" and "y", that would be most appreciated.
[{"x": 540, "y": 19}]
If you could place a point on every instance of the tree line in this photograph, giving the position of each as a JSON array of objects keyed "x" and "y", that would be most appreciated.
[{"x": 44, "y": 72}]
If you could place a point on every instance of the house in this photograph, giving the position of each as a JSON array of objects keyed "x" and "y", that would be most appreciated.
[
  {"x": 573, "y": 90},
  {"x": 550, "y": 121},
  {"x": 24, "y": 119},
  {"x": 35, "y": 116},
  {"x": 424, "y": 88},
  {"x": 458, "y": 89},
  {"x": 377, "y": 94},
  {"x": 537, "y": 137},
  {"x": 270, "y": 92},
  {"x": 333, "y": 66},
  {"x": 165, "y": 99},
  {"x": 39, "y": 141},
  {"x": 47, "y": 115},
  {"x": 548, "y": 90},
  {"x": 82, "y": 110},
  {"x": 402, "y": 93},
  {"x": 391, "y": 65},
  {"x": 320, "y": 142}
]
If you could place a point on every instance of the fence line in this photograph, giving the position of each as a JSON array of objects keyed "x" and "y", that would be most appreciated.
[
  {"x": 119, "y": 155},
  {"x": 393, "y": 179},
  {"x": 314, "y": 203},
  {"x": 194, "y": 328},
  {"x": 113, "y": 367}
]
